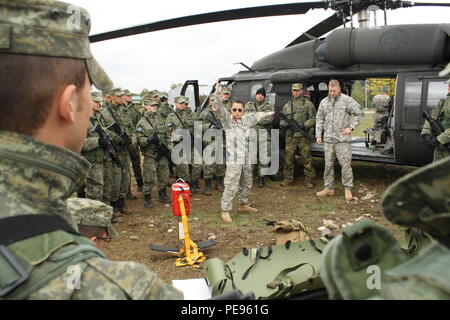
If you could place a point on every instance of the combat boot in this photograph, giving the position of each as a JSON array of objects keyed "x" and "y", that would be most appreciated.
[
  {"x": 162, "y": 196},
  {"x": 116, "y": 209},
  {"x": 208, "y": 187},
  {"x": 287, "y": 183},
  {"x": 148, "y": 201},
  {"x": 325, "y": 192},
  {"x": 219, "y": 184},
  {"x": 140, "y": 185},
  {"x": 245, "y": 208},
  {"x": 348, "y": 195},
  {"x": 195, "y": 187},
  {"x": 131, "y": 196},
  {"x": 261, "y": 182},
  {"x": 122, "y": 206},
  {"x": 226, "y": 217},
  {"x": 309, "y": 184}
]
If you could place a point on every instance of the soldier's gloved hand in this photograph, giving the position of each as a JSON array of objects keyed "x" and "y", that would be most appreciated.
[
  {"x": 102, "y": 143},
  {"x": 430, "y": 141}
]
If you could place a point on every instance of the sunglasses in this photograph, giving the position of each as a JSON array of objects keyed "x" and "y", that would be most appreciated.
[
  {"x": 106, "y": 239},
  {"x": 239, "y": 110}
]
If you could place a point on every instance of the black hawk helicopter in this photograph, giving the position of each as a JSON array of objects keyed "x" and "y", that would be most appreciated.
[{"x": 411, "y": 56}]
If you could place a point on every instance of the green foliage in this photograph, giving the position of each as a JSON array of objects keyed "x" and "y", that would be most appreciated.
[{"x": 174, "y": 85}]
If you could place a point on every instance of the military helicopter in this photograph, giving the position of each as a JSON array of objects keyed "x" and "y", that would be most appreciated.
[{"x": 409, "y": 55}]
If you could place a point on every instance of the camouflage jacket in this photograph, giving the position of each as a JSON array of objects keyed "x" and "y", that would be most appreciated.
[
  {"x": 150, "y": 124},
  {"x": 237, "y": 133},
  {"x": 302, "y": 111},
  {"x": 227, "y": 104},
  {"x": 131, "y": 111},
  {"x": 334, "y": 115},
  {"x": 381, "y": 103},
  {"x": 91, "y": 150},
  {"x": 210, "y": 114},
  {"x": 442, "y": 114},
  {"x": 254, "y": 106},
  {"x": 115, "y": 113},
  {"x": 180, "y": 119},
  {"x": 165, "y": 109},
  {"x": 37, "y": 178}
]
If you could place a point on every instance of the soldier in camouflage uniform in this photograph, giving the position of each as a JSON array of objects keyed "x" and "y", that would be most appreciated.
[
  {"x": 183, "y": 118},
  {"x": 115, "y": 113},
  {"x": 93, "y": 219},
  {"x": 225, "y": 93},
  {"x": 165, "y": 109},
  {"x": 41, "y": 167},
  {"x": 381, "y": 105},
  {"x": 333, "y": 129},
  {"x": 238, "y": 176},
  {"x": 303, "y": 112},
  {"x": 260, "y": 105},
  {"x": 211, "y": 120},
  {"x": 151, "y": 132},
  {"x": 131, "y": 111},
  {"x": 94, "y": 151},
  {"x": 441, "y": 143}
]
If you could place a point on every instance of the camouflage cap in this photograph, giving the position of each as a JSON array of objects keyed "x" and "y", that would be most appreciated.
[
  {"x": 164, "y": 95},
  {"x": 127, "y": 92},
  {"x": 154, "y": 94},
  {"x": 93, "y": 213},
  {"x": 297, "y": 86},
  {"x": 49, "y": 28},
  {"x": 420, "y": 199},
  {"x": 150, "y": 102},
  {"x": 117, "y": 92},
  {"x": 96, "y": 96},
  {"x": 446, "y": 71},
  {"x": 181, "y": 99},
  {"x": 225, "y": 90}
]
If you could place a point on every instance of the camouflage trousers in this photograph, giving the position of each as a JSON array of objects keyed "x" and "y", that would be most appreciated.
[
  {"x": 107, "y": 183},
  {"x": 158, "y": 169},
  {"x": 215, "y": 169},
  {"x": 302, "y": 147},
  {"x": 440, "y": 152},
  {"x": 135, "y": 157},
  {"x": 121, "y": 177},
  {"x": 94, "y": 182},
  {"x": 238, "y": 180},
  {"x": 263, "y": 147},
  {"x": 115, "y": 176},
  {"x": 343, "y": 152},
  {"x": 183, "y": 169}
]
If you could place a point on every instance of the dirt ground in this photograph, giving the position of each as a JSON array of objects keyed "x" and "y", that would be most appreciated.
[{"x": 143, "y": 227}]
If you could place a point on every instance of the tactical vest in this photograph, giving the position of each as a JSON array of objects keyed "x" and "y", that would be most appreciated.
[
  {"x": 98, "y": 154},
  {"x": 444, "y": 116},
  {"x": 298, "y": 110},
  {"x": 34, "y": 250}
]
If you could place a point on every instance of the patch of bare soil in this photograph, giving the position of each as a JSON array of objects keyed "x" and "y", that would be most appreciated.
[{"x": 142, "y": 226}]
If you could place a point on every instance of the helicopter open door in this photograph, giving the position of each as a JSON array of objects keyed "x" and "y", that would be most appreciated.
[{"x": 415, "y": 93}]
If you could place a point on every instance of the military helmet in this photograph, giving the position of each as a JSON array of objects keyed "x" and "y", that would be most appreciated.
[
  {"x": 93, "y": 213},
  {"x": 49, "y": 28}
]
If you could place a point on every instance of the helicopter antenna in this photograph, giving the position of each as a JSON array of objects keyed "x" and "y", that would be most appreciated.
[{"x": 245, "y": 66}]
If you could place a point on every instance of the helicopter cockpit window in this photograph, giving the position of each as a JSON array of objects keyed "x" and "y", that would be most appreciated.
[
  {"x": 437, "y": 90},
  {"x": 413, "y": 93}
]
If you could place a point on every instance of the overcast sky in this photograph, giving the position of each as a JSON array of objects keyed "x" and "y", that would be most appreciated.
[{"x": 204, "y": 52}]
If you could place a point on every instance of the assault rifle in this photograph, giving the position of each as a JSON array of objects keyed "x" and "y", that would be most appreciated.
[
  {"x": 436, "y": 128},
  {"x": 162, "y": 151},
  {"x": 215, "y": 123},
  {"x": 294, "y": 125},
  {"x": 122, "y": 134},
  {"x": 110, "y": 148}
]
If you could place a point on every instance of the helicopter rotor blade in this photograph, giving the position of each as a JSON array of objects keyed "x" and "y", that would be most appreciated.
[
  {"x": 319, "y": 29},
  {"x": 234, "y": 14},
  {"x": 428, "y": 4}
]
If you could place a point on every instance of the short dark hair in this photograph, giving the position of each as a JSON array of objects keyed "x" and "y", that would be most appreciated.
[
  {"x": 238, "y": 101},
  {"x": 90, "y": 231},
  {"x": 28, "y": 86}
]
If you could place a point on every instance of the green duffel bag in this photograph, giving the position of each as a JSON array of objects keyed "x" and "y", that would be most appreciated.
[{"x": 273, "y": 272}]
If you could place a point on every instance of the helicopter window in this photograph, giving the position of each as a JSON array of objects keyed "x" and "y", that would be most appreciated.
[
  {"x": 437, "y": 90},
  {"x": 413, "y": 93}
]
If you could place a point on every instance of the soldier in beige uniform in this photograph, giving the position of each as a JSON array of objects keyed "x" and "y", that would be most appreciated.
[{"x": 40, "y": 165}]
